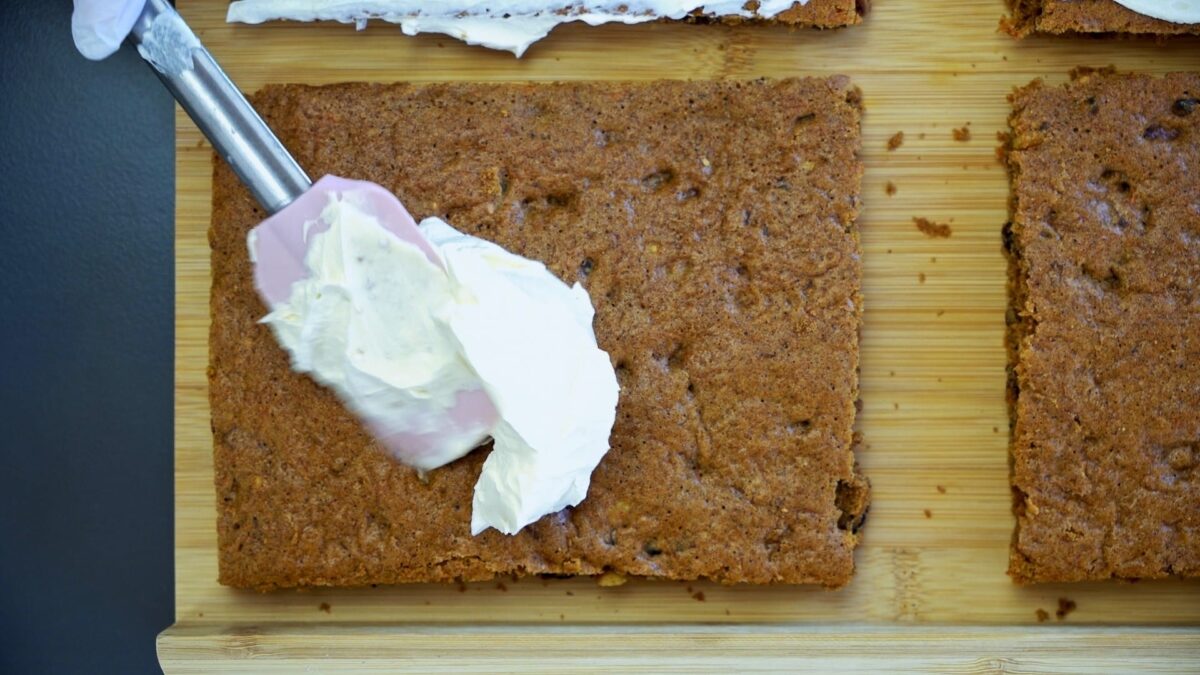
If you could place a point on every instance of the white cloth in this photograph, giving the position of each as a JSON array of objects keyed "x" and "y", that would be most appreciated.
[{"x": 99, "y": 26}]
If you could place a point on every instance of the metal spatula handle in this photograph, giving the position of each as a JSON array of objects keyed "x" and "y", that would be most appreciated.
[{"x": 227, "y": 119}]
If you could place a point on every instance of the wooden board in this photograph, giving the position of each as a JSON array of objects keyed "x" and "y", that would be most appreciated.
[{"x": 933, "y": 375}]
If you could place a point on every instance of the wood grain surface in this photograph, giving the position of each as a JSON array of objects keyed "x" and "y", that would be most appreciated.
[{"x": 932, "y": 564}]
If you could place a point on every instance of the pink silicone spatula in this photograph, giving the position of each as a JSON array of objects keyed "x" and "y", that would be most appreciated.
[{"x": 286, "y": 193}]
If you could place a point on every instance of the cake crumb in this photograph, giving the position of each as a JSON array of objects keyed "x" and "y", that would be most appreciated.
[
  {"x": 932, "y": 229},
  {"x": 962, "y": 134},
  {"x": 726, "y": 612},
  {"x": 1042, "y": 615},
  {"x": 1006, "y": 141},
  {"x": 324, "y": 607},
  {"x": 941, "y": 312},
  {"x": 941, "y": 489},
  {"x": 928, "y": 513},
  {"x": 1065, "y": 607},
  {"x": 501, "y": 587},
  {"x": 921, "y": 136},
  {"x": 571, "y": 593},
  {"x": 895, "y": 141},
  {"x": 890, "y": 188},
  {"x": 920, "y": 277},
  {"x": 611, "y": 580},
  {"x": 698, "y": 595},
  {"x": 1002, "y": 150}
]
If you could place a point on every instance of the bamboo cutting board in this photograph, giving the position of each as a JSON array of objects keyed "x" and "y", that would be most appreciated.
[{"x": 930, "y": 592}]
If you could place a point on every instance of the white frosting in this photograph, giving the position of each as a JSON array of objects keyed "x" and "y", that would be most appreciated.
[
  {"x": 390, "y": 332},
  {"x": 169, "y": 44},
  {"x": 365, "y": 323},
  {"x": 510, "y": 25},
  {"x": 1175, "y": 11}
]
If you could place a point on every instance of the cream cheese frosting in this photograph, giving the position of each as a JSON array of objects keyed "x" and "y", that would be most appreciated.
[
  {"x": 1175, "y": 11},
  {"x": 169, "y": 45},
  {"x": 396, "y": 334},
  {"x": 510, "y": 25}
]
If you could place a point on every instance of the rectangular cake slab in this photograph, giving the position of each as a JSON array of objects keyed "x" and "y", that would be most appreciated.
[
  {"x": 1105, "y": 328},
  {"x": 813, "y": 13},
  {"x": 713, "y": 224}
]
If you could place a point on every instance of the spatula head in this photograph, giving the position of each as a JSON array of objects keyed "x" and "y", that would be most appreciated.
[{"x": 278, "y": 247}]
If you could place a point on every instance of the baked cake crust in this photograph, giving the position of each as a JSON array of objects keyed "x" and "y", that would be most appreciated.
[
  {"x": 713, "y": 224},
  {"x": 1104, "y": 332},
  {"x": 825, "y": 13},
  {"x": 1086, "y": 16}
]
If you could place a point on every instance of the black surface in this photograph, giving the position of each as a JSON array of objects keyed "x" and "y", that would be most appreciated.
[{"x": 86, "y": 343}]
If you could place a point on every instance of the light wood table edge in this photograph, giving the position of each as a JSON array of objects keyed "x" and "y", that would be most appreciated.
[{"x": 203, "y": 647}]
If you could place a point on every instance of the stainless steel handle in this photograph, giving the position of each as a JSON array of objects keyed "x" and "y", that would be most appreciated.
[{"x": 219, "y": 109}]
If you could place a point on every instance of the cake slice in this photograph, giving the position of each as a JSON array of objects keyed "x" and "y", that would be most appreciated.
[
  {"x": 807, "y": 13},
  {"x": 1086, "y": 16},
  {"x": 1104, "y": 331},
  {"x": 514, "y": 25},
  {"x": 713, "y": 224}
]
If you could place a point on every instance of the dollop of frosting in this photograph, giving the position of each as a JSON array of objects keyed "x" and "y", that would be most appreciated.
[
  {"x": 509, "y": 25},
  {"x": 1175, "y": 11},
  {"x": 393, "y": 332}
]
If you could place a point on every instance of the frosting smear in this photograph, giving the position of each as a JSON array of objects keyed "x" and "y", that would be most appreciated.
[
  {"x": 400, "y": 335},
  {"x": 509, "y": 25},
  {"x": 1175, "y": 11}
]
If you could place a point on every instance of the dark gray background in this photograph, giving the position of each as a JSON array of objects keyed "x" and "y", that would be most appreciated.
[{"x": 86, "y": 201}]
